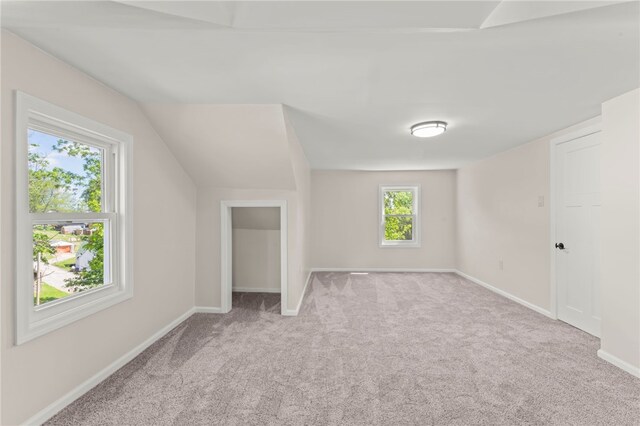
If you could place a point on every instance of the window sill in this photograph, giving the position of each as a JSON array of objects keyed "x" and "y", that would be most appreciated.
[
  {"x": 78, "y": 309},
  {"x": 400, "y": 245}
]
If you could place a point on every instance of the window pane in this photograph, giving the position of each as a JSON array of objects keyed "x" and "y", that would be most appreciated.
[
  {"x": 68, "y": 258},
  {"x": 398, "y": 202},
  {"x": 398, "y": 228},
  {"x": 64, "y": 176}
]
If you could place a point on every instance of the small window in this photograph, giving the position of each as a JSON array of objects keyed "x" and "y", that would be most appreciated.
[
  {"x": 73, "y": 222},
  {"x": 399, "y": 216}
]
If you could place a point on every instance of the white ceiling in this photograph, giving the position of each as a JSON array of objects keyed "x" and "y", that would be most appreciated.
[
  {"x": 228, "y": 146},
  {"x": 355, "y": 75}
]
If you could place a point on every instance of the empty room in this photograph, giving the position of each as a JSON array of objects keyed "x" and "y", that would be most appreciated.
[{"x": 320, "y": 212}]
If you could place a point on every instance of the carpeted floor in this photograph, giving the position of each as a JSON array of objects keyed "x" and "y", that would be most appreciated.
[{"x": 389, "y": 349}]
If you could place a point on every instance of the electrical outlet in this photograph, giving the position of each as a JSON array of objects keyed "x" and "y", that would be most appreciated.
[
  {"x": 540, "y": 200},
  {"x": 501, "y": 265}
]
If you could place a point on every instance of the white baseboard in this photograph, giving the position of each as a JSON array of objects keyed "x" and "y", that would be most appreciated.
[
  {"x": 53, "y": 408},
  {"x": 444, "y": 270},
  {"x": 255, "y": 290},
  {"x": 207, "y": 310},
  {"x": 294, "y": 312},
  {"x": 509, "y": 296},
  {"x": 381, "y": 270},
  {"x": 624, "y": 365}
]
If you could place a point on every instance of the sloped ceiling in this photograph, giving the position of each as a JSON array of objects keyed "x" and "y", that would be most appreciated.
[
  {"x": 355, "y": 75},
  {"x": 227, "y": 146},
  {"x": 514, "y": 11},
  {"x": 351, "y": 15},
  {"x": 329, "y": 15}
]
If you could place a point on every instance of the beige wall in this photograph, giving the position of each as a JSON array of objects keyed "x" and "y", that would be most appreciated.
[
  {"x": 164, "y": 219},
  {"x": 255, "y": 217},
  {"x": 298, "y": 207},
  {"x": 499, "y": 219},
  {"x": 302, "y": 174},
  {"x": 620, "y": 266},
  {"x": 208, "y": 242},
  {"x": 256, "y": 260},
  {"x": 345, "y": 215},
  {"x": 256, "y": 248}
]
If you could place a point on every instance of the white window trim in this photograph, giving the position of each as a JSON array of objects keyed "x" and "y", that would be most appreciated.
[
  {"x": 417, "y": 229},
  {"x": 32, "y": 322}
]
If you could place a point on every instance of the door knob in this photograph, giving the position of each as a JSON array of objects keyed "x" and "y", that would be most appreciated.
[{"x": 560, "y": 246}]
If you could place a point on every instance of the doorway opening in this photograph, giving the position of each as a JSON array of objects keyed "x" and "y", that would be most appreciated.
[{"x": 253, "y": 252}]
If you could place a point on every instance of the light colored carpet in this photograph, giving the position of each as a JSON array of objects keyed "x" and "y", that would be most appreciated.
[{"x": 368, "y": 349}]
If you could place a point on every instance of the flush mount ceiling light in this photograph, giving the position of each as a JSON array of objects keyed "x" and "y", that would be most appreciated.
[{"x": 428, "y": 129}]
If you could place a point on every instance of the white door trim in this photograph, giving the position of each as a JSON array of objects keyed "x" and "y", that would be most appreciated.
[
  {"x": 553, "y": 143},
  {"x": 226, "y": 265}
]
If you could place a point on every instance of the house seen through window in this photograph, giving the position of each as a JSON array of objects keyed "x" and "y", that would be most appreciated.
[{"x": 68, "y": 255}]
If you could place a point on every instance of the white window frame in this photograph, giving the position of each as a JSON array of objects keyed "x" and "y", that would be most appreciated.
[
  {"x": 416, "y": 241},
  {"x": 34, "y": 321}
]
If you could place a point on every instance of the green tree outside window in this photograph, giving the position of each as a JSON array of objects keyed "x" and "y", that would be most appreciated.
[{"x": 398, "y": 215}]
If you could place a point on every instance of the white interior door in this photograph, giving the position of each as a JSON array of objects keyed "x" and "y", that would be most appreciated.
[{"x": 577, "y": 232}]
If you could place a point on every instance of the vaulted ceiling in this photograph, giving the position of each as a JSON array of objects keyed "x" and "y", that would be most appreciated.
[
  {"x": 228, "y": 146},
  {"x": 354, "y": 75}
]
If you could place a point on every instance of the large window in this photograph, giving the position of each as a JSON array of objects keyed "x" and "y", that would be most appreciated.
[
  {"x": 73, "y": 217},
  {"x": 399, "y": 216}
]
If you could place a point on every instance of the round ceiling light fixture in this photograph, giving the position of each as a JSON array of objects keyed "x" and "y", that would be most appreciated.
[{"x": 428, "y": 129}]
